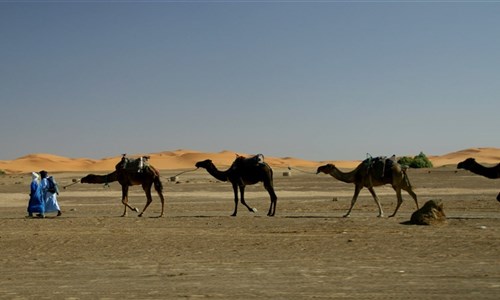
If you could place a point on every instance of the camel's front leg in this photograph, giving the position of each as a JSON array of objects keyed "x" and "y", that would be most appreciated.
[
  {"x": 380, "y": 212},
  {"x": 242, "y": 199},
  {"x": 125, "y": 201},
  {"x": 149, "y": 199},
  {"x": 353, "y": 201}
]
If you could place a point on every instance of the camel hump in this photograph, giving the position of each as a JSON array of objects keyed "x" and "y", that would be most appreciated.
[
  {"x": 253, "y": 161},
  {"x": 133, "y": 164},
  {"x": 381, "y": 165}
]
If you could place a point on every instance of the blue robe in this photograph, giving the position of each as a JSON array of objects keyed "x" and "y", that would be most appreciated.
[
  {"x": 50, "y": 200},
  {"x": 36, "y": 203}
]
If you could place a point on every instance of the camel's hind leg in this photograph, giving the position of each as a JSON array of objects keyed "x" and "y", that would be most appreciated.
[
  {"x": 377, "y": 201},
  {"x": 235, "y": 189},
  {"x": 406, "y": 186},
  {"x": 274, "y": 200},
  {"x": 159, "y": 190},
  {"x": 414, "y": 196},
  {"x": 268, "y": 185},
  {"x": 400, "y": 201},
  {"x": 242, "y": 199},
  {"x": 149, "y": 198},
  {"x": 409, "y": 190}
]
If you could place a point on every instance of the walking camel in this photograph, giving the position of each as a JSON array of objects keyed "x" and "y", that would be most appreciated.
[
  {"x": 370, "y": 173},
  {"x": 243, "y": 172},
  {"x": 470, "y": 164},
  {"x": 146, "y": 176}
]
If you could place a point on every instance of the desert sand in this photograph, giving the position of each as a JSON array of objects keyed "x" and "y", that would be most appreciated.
[{"x": 197, "y": 250}]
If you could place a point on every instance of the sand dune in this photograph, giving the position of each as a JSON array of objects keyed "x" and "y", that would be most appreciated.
[
  {"x": 185, "y": 159},
  {"x": 482, "y": 155}
]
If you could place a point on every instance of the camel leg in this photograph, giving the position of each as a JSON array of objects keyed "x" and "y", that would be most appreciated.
[
  {"x": 353, "y": 201},
  {"x": 413, "y": 195},
  {"x": 407, "y": 187},
  {"x": 274, "y": 199},
  {"x": 149, "y": 198},
  {"x": 125, "y": 201},
  {"x": 162, "y": 200},
  {"x": 235, "y": 189},
  {"x": 377, "y": 201},
  {"x": 242, "y": 199},
  {"x": 400, "y": 201}
]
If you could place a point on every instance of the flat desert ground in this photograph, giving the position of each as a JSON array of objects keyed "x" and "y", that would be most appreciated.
[{"x": 307, "y": 251}]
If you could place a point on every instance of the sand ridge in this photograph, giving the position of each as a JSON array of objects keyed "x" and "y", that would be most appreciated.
[{"x": 186, "y": 159}]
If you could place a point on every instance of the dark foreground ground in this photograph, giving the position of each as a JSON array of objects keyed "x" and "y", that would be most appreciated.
[{"x": 306, "y": 251}]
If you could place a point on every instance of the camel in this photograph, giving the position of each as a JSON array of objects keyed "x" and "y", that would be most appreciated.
[
  {"x": 470, "y": 164},
  {"x": 243, "y": 172},
  {"x": 370, "y": 173},
  {"x": 146, "y": 177},
  {"x": 432, "y": 213}
]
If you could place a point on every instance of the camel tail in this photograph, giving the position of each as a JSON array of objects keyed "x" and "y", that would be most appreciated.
[
  {"x": 271, "y": 175},
  {"x": 156, "y": 181}
]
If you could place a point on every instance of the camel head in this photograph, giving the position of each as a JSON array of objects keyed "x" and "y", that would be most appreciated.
[
  {"x": 204, "y": 164},
  {"x": 466, "y": 164},
  {"x": 327, "y": 169}
]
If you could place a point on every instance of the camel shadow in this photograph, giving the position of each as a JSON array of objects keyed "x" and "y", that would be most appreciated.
[
  {"x": 313, "y": 217},
  {"x": 409, "y": 222},
  {"x": 472, "y": 218}
]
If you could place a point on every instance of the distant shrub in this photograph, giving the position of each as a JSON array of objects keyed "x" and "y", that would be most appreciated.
[
  {"x": 2, "y": 172},
  {"x": 405, "y": 161},
  {"x": 417, "y": 162}
]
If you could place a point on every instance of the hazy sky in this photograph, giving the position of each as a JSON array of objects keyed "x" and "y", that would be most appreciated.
[{"x": 319, "y": 80}]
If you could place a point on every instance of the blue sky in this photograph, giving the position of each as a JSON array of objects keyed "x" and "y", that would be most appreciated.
[{"x": 319, "y": 80}]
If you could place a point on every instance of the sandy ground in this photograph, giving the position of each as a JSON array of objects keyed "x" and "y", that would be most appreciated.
[{"x": 306, "y": 251}]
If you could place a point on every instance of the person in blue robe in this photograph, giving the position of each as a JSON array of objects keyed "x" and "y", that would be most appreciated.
[
  {"x": 49, "y": 196},
  {"x": 36, "y": 203}
]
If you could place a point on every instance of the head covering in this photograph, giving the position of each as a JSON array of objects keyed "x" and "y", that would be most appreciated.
[
  {"x": 34, "y": 175},
  {"x": 43, "y": 173}
]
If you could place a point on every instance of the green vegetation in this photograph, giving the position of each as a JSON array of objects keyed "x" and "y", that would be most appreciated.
[
  {"x": 419, "y": 161},
  {"x": 2, "y": 172}
]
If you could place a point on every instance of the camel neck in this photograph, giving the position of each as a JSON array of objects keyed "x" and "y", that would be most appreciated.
[
  {"x": 219, "y": 175},
  {"x": 348, "y": 177},
  {"x": 485, "y": 171},
  {"x": 111, "y": 177}
]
